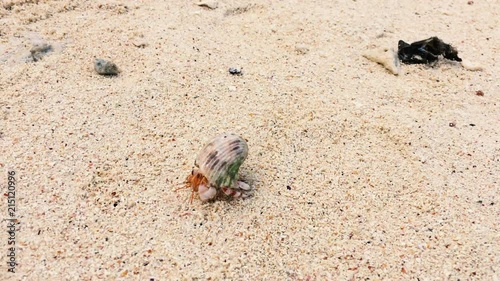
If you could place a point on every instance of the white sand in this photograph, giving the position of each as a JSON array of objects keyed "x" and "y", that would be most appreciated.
[{"x": 381, "y": 186}]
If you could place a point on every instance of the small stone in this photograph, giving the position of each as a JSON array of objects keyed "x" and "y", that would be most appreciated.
[
  {"x": 39, "y": 50},
  {"x": 235, "y": 71},
  {"x": 104, "y": 67}
]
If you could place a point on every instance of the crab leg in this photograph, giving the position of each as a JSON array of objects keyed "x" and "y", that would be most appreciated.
[{"x": 241, "y": 189}]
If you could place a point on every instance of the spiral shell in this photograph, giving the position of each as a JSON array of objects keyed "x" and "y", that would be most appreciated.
[{"x": 220, "y": 160}]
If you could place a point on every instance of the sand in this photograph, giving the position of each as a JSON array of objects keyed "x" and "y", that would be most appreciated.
[{"x": 359, "y": 174}]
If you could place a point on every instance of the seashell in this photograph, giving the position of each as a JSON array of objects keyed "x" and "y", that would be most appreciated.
[
  {"x": 217, "y": 166},
  {"x": 220, "y": 160},
  {"x": 209, "y": 4}
]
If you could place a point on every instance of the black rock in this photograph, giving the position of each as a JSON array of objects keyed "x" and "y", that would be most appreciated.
[
  {"x": 235, "y": 71},
  {"x": 426, "y": 51}
]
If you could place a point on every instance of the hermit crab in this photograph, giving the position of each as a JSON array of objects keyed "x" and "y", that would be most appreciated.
[{"x": 216, "y": 168}]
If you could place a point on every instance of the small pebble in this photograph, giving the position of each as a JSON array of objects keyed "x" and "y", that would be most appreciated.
[
  {"x": 235, "y": 71},
  {"x": 104, "y": 67},
  {"x": 40, "y": 50},
  {"x": 479, "y": 93}
]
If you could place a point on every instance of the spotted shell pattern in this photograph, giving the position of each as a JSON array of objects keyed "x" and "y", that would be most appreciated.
[{"x": 220, "y": 160}]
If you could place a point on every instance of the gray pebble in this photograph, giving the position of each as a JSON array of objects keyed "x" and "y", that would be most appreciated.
[
  {"x": 39, "y": 50},
  {"x": 235, "y": 71},
  {"x": 104, "y": 67}
]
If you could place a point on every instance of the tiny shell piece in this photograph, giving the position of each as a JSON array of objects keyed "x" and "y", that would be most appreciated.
[
  {"x": 220, "y": 160},
  {"x": 209, "y": 4},
  {"x": 104, "y": 67},
  {"x": 471, "y": 66}
]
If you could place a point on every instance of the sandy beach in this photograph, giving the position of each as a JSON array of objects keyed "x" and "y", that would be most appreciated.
[{"x": 358, "y": 173}]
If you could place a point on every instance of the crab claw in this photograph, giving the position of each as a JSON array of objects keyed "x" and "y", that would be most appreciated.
[
  {"x": 242, "y": 190},
  {"x": 206, "y": 193},
  {"x": 244, "y": 186},
  {"x": 246, "y": 189},
  {"x": 231, "y": 192}
]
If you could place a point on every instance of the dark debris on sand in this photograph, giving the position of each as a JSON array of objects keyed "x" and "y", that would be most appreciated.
[{"x": 426, "y": 51}]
